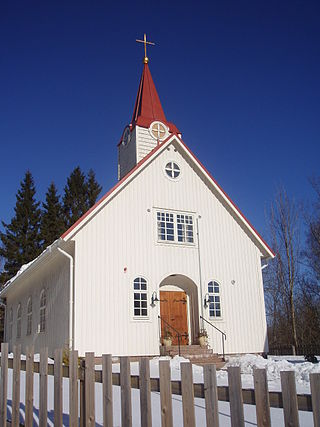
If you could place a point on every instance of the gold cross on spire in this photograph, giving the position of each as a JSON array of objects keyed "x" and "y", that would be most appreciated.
[{"x": 145, "y": 42}]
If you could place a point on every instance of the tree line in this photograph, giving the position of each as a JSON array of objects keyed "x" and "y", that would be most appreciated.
[
  {"x": 35, "y": 226},
  {"x": 292, "y": 278}
]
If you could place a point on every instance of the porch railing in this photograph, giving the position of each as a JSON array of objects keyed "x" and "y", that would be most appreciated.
[
  {"x": 175, "y": 330},
  {"x": 223, "y": 335}
]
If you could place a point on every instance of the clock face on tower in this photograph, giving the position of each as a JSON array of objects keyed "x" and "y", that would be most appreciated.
[{"x": 126, "y": 136}]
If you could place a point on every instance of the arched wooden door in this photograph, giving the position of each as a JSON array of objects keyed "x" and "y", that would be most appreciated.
[{"x": 173, "y": 310}]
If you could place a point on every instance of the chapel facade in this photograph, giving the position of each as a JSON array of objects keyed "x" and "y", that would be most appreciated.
[{"x": 164, "y": 250}]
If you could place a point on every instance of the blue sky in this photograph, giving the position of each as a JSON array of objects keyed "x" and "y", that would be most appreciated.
[{"x": 240, "y": 79}]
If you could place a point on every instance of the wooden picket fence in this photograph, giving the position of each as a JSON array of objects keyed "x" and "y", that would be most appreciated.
[{"x": 83, "y": 374}]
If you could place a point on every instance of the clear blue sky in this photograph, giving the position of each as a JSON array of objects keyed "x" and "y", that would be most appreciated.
[{"x": 240, "y": 79}]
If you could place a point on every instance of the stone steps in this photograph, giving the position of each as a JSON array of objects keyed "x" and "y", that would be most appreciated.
[{"x": 196, "y": 354}]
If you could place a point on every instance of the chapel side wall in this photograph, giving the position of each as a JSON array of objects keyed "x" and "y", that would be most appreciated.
[
  {"x": 120, "y": 243},
  {"x": 53, "y": 276}
]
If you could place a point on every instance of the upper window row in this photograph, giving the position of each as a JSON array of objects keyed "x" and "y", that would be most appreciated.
[
  {"x": 175, "y": 227},
  {"x": 42, "y": 317}
]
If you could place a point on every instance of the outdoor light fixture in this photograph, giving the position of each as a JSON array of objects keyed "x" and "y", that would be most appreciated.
[
  {"x": 206, "y": 300},
  {"x": 154, "y": 298}
]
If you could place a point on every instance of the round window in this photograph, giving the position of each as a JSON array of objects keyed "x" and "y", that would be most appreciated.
[
  {"x": 172, "y": 170},
  {"x": 158, "y": 130}
]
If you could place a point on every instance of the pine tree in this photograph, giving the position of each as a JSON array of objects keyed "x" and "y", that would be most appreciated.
[
  {"x": 75, "y": 197},
  {"x": 52, "y": 223},
  {"x": 21, "y": 242},
  {"x": 94, "y": 188}
]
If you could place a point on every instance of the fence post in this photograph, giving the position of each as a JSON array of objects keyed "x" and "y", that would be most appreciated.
[
  {"x": 262, "y": 397},
  {"x": 187, "y": 393},
  {"x": 89, "y": 389},
  {"x": 29, "y": 386},
  {"x": 125, "y": 384},
  {"x": 107, "y": 390},
  {"x": 15, "y": 418},
  {"x": 211, "y": 395},
  {"x": 43, "y": 387},
  {"x": 235, "y": 396},
  {"x": 145, "y": 392},
  {"x": 4, "y": 383},
  {"x": 73, "y": 388},
  {"x": 82, "y": 397},
  {"x": 58, "y": 388},
  {"x": 165, "y": 393},
  {"x": 289, "y": 398},
  {"x": 315, "y": 394}
]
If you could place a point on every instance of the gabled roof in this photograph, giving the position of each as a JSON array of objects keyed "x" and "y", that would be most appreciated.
[
  {"x": 265, "y": 249},
  {"x": 67, "y": 236},
  {"x": 148, "y": 108}
]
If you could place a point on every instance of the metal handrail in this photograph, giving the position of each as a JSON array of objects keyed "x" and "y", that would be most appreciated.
[
  {"x": 175, "y": 330},
  {"x": 223, "y": 335}
]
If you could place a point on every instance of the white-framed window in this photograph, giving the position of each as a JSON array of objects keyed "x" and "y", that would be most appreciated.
[
  {"x": 165, "y": 221},
  {"x": 29, "y": 316},
  {"x": 43, "y": 308},
  {"x": 19, "y": 313},
  {"x": 185, "y": 228},
  {"x": 140, "y": 298},
  {"x": 175, "y": 227},
  {"x": 10, "y": 329},
  {"x": 214, "y": 293},
  {"x": 172, "y": 170}
]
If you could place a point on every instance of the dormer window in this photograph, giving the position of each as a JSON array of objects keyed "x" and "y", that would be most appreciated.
[{"x": 158, "y": 130}]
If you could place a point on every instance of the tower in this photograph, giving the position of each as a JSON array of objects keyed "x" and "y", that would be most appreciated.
[{"x": 148, "y": 127}]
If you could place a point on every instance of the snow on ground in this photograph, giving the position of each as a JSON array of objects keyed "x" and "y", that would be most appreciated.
[{"x": 273, "y": 365}]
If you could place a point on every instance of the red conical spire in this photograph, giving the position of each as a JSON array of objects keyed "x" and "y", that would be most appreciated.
[{"x": 148, "y": 107}]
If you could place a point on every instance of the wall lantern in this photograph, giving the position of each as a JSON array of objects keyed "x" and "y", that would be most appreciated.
[
  {"x": 154, "y": 298},
  {"x": 206, "y": 300}
]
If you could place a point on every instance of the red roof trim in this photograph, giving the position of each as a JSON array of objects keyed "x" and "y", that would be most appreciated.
[{"x": 138, "y": 165}]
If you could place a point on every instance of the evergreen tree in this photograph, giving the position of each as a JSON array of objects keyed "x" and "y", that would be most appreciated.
[
  {"x": 52, "y": 223},
  {"x": 94, "y": 188},
  {"x": 75, "y": 197},
  {"x": 21, "y": 242}
]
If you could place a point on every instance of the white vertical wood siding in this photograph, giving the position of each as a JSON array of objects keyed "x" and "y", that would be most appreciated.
[
  {"x": 119, "y": 244},
  {"x": 52, "y": 276}
]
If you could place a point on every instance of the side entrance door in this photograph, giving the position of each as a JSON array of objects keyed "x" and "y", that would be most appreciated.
[{"x": 173, "y": 309}]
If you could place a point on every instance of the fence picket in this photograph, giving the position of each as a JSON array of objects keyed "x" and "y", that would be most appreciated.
[
  {"x": 107, "y": 390},
  {"x": 89, "y": 389},
  {"x": 289, "y": 398},
  {"x": 43, "y": 387},
  {"x": 145, "y": 392},
  {"x": 189, "y": 419},
  {"x": 165, "y": 393},
  {"x": 15, "y": 416},
  {"x": 211, "y": 395},
  {"x": 58, "y": 388},
  {"x": 262, "y": 397},
  {"x": 125, "y": 384},
  {"x": 29, "y": 387},
  {"x": 73, "y": 388},
  {"x": 315, "y": 394},
  {"x": 3, "y": 384},
  {"x": 235, "y": 396}
]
